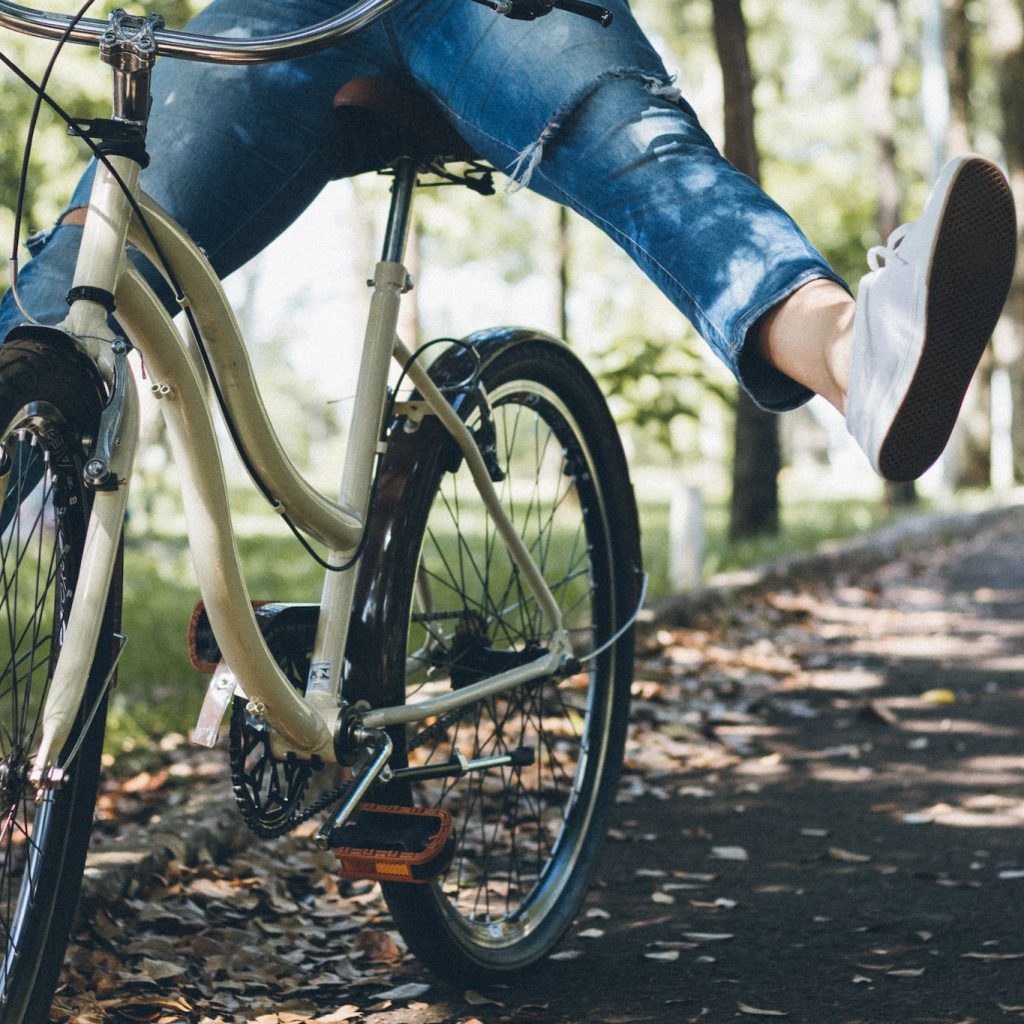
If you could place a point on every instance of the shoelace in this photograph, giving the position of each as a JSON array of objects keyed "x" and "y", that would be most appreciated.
[{"x": 879, "y": 255}]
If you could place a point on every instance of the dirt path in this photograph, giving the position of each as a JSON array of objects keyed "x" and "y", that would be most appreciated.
[{"x": 821, "y": 820}]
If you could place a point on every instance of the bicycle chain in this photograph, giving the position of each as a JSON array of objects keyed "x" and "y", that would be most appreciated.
[
  {"x": 252, "y": 818},
  {"x": 241, "y": 780},
  {"x": 322, "y": 803}
]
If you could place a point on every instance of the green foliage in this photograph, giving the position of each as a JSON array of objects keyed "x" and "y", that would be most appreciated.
[
  {"x": 158, "y": 690},
  {"x": 56, "y": 161},
  {"x": 81, "y": 86},
  {"x": 650, "y": 383}
]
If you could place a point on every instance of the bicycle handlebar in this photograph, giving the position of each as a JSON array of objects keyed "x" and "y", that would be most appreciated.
[
  {"x": 208, "y": 49},
  {"x": 220, "y": 50}
]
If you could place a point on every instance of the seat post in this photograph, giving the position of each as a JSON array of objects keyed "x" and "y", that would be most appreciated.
[{"x": 406, "y": 170}]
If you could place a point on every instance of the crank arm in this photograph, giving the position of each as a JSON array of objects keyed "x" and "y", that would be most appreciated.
[
  {"x": 459, "y": 765},
  {"x": 378, "y": 741}
]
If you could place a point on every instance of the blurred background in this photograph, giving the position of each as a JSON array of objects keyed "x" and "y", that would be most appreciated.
[{"x": 844, "y": 111}]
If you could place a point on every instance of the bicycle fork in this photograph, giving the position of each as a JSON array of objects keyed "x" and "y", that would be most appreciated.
[{"x": 108, "y": 469}]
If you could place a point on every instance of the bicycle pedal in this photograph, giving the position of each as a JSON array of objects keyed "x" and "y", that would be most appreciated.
[{"x": 389, "y": 843}]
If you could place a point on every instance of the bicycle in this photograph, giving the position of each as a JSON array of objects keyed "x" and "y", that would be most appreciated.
[{"x": 470, "y": 659}]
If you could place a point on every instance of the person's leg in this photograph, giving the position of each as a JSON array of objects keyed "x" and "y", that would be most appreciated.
[
  {"x": 237, "y": 153},
  {"x": 588, "y": 117},
  {"x": 584, "y": 116},
  {"x": 809, "y": 335}
]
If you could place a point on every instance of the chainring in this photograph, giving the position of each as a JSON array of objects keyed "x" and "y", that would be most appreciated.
[{"x": 270, "y": 791}]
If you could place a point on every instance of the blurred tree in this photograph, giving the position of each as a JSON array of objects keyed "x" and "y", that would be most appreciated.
[
  {"x": 1006, "y": 39},
  {"x": 957, "y": 31},
  {"x": 757, "y": 455},
  {"x": 970, "y": 452},
  {"x": 562, "y": 251},
  {"x": 880, "y": 114},
  {"x": 81, "y": 85}
]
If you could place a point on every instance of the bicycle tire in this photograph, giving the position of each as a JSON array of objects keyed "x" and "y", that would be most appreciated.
[
  {"x": 50, "y": 401},
  {"x": 567, "y": 490}
]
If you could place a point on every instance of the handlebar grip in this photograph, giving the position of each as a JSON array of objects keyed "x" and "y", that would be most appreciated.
[{"x": 586, "y": 10}]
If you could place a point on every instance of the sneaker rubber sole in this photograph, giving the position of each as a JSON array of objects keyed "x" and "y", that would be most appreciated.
[{"x": 972, "y": 267}]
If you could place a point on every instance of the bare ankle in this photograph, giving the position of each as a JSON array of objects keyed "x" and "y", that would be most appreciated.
[
  {"x": 808, "y": 337},
  {"x": 74, "y": 216}
]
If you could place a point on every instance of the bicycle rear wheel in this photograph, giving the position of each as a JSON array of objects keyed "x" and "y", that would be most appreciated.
[
  {"x": 50, "y": 400},
  {"x": 449, "y": 607}
]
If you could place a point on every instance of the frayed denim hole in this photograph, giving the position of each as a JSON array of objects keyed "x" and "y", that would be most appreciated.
[
  {"x": 525, "y": 163},
  {"x": 36, "y": 242}
]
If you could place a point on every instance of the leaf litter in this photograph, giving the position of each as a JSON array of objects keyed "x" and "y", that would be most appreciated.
[{"x": 251, "y": 941}]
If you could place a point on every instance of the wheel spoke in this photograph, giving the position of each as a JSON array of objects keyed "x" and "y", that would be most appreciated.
[
  {"x": 508, "y": 820},
  {"x": 525, "y": 842},
  {"x": 42, "y": 844}
]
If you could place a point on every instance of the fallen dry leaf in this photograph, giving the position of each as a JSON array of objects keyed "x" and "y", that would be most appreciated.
[
  {"x": 993, "y": 956},
  {"x": 755, "y": 1012},
  {"x": 161, "y": 970},
  {"x": 848, "y": 856},
  {"x": 938, "y": 696},
  {"x": 377, "y": 945},
  {"x": 412, "y": 990},
  {"x": 478, "y": 999},
  {"x": 729, "y": 853},
  {"x": 340, "y": 1015}
]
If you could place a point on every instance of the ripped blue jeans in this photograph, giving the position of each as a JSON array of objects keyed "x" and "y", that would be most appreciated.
[{"x": 584, "y": 115}]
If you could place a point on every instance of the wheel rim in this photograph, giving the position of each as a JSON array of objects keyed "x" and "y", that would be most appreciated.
[
  {"x": 519, "y": 831},
  {"x": 41, "y": 510}
]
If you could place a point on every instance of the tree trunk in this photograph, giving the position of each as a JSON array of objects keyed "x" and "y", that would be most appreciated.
[
  {"x": 877, "y": 91},
  {"x": 1006, "y": 33},
  {"x": 959, "y": 74},
  {"x": 969, "y": 460},
  {"x": 757, "y": 459},
  {"x": 562, "y": 258}
]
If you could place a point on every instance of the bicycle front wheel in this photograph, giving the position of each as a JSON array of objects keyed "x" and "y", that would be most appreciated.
[
  {"x": 452, "y": 608},
  {"x": 50, "y": 403}
]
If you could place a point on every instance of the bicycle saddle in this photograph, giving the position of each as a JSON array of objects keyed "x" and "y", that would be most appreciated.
[{"x": 384, "y": 121}]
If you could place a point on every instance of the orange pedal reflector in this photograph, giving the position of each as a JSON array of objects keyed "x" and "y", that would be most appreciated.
[{"x": 389, "y": 843}]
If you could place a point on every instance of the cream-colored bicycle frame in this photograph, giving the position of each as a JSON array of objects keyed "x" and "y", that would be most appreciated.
[{"x": 303, "y": 725}]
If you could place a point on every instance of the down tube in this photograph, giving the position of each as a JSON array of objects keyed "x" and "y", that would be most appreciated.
[{"x": 208, "y": 517}]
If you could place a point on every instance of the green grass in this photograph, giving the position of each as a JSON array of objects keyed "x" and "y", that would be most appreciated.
[
  {"x": 805, "y": 525},
  {"x": 158, "y": 690}
]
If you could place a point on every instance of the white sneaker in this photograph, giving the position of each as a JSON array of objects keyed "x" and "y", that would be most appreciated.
[{"x": 924, "y": 315}]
